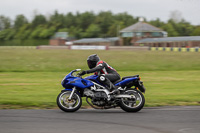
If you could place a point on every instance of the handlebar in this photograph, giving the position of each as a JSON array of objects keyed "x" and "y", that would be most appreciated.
[
  {"x": 78, "y": 69},
  {"x": 78, "y": 74}
]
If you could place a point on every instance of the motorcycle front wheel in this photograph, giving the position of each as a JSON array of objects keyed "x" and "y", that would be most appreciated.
[
  {"x": 134, "y": 104},
  {"x": 67, "y": 105}
]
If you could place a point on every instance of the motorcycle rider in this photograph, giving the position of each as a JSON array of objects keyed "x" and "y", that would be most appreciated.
[{"x": 107, "y": 74}]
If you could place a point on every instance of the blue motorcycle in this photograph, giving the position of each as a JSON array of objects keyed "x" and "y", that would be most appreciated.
[{"x": 98, "y": 96}]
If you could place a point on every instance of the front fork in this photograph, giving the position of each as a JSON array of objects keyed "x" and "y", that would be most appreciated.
[{"x": 72, "y": 93}]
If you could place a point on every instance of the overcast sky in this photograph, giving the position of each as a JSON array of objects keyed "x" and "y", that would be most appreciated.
[{"x": 150, "y": 9}]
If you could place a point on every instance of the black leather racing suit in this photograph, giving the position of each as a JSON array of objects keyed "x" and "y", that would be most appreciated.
[{"x": 110, "y": 74}]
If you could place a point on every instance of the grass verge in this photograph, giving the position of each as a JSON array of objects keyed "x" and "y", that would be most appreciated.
[{"x": 40, "y": 89}]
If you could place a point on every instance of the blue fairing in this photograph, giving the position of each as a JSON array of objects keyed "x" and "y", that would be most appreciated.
[
  {"x": 69, "y": 81},
  {"x": 125, "y": 81},
  {"x": 93, "y": 78},
  {"x": 67, "y": 89},
  {"x": 121, "y": 83}
]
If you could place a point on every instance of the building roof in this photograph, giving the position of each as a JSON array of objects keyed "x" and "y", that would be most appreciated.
[
  {"x": 141, "y": 27},
  {"x": 170, "y": 39},
  {"x": 95, "y": 40}
]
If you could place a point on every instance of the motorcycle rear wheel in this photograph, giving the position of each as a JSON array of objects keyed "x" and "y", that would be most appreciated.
[
  {"x": 69, "y": 105},
  {"x": 132, "y": 105}
]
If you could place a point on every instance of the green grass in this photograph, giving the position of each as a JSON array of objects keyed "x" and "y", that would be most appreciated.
[
  {"x": 26, "y": 60},
  {"x": 31, "y": 78}
]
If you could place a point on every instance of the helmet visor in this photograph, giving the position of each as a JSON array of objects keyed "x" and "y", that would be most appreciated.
[{"x": 91, "y": 64}]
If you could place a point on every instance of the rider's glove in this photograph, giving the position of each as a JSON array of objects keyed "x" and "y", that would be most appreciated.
[{"x": 82, "y": 73}]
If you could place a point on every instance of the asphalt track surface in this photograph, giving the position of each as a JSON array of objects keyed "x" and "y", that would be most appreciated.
[{"x": 149, "y": 120}]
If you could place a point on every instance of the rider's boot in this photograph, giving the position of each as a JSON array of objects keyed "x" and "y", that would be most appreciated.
[{"x": 113, "y": 89}]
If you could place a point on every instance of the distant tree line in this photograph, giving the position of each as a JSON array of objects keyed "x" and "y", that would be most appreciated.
[{"x": 83, "y": 25}]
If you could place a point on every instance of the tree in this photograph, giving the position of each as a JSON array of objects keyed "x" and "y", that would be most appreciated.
[
  {"x": 92, "y": 31},
  {"x": 35, "y": 34},
  {"x": 5, "y": 22},
  {"x": 185, "y": 28},
  {"x": 104, "y": 20},
  {"x": 157, "y": 23},
  {"x": 86, "y": 24},
  {"x": 75, "y": 32},
  {"x": 115, "y": 28},
  {"x": 196, "y": 32},
  {"x": 63, "y": 30},
  {"x": 23, "y": 32},
  {"x": 70, "y": 20},
  {"x": 47, "y": 33},
  {"x": 176, "y": 16},
  {"x": 7, "y": 34},
  {"x": 20, "y": 20},
  {"x": 39, "y": 20},
  {"x": 125, "y": 18},
  {"x": 57, "y": 20},
  {"x": 84, "y": 20},
  {"x": 170, "y": 29}
]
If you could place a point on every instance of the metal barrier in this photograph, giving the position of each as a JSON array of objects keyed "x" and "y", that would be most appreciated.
[{"x": 175, "y": 49}]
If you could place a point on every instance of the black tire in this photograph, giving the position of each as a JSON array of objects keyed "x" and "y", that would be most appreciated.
[
  {"x": 63, "y": 102},
  {"x": 124, "y": 102}
]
